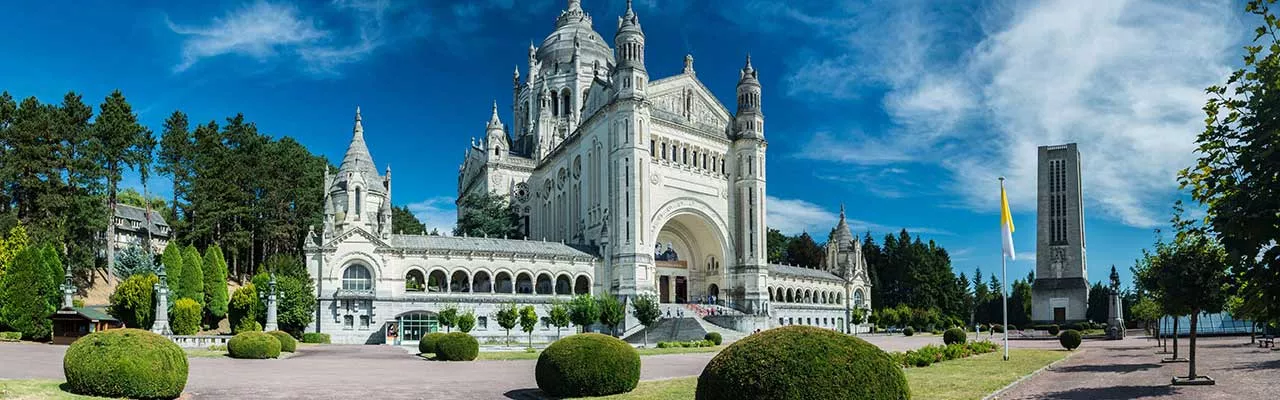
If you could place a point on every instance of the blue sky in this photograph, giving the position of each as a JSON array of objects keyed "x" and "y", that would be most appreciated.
[{"x": 905, "y": 111}]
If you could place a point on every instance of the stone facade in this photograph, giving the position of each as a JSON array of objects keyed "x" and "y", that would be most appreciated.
[
  {"x": 133, "y": 225},
  {"x": 625, "y": 186},
  {"x": 1061, "y": 290}
]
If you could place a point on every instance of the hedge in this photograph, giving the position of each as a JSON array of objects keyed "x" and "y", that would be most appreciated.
[
  {"x": 457, "y": 346},
  {"x": 10, "y": 336},
  {"x": 691, "y": 343},
  {"x": 1070, "y": 339},
  {"x": 1054, "y": 329},
  {"x": 129, "y": 363},
  {"x": 315, "y": 337},
  {"x": 997, "y": 328},
  {"x": 908, "y": 331},
  {"x": 588, "y": 364},
  {"x": 954, "y": 336},
  {"x": 930, "y": 354},
  {"x": 802, "y": 362},
  {"x": 287, "y": 343},
  {"x": 714, "y": 337},
  {"x": 185, "y": 317},
  {"x": 253, "y": 345},
  {"x": 428, "y": 343}
]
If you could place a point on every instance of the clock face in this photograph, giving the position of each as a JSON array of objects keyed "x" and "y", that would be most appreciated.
[{"x": 521, "y": 194}]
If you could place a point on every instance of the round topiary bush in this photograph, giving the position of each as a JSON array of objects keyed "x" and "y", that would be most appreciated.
[
  {"x": 802, "y": 362},
  {"x": 588, "y": 364},
  {"x": 953, "y": 336},
  {"x": 457, "y": 346},
  {"x": 908, "y": 331},
  {"x": 997, "y": 328},
  {"x": 254, "y": 345},
  {"x": 714, "y": 337},
  {"x": 427, "y": 344},
  {"x": 1070, "y": 339},
  {"x": 287, "y": 343},
  {"x": 129, "y": 363},
  {"x": 184, "y": 319},
  {"x": 1054, "y": 329}
]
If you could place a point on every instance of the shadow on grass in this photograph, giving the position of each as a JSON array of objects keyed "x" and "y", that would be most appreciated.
[
  {"x": 527, "y": 394},
  {"x": 1110, "y": 393},
  {"x": 1115, "y": 368}
]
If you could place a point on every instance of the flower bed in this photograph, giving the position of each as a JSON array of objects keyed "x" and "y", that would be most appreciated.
[
  {"x": 930, "y": 354},
  {"x": 691, "y": 343}
]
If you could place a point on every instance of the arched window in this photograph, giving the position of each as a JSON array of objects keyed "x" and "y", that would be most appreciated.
[
  {"x": 480, "y": 283},
  {"x": 564, "y": 285},
  {"x": 359, "y": 200},
  {"x": 790, "y": 298},
  {"x": 459, "y": 282},
  {"x": 544, "y": 284},
  {"x": 566, "y": 102},
  {"x": 555, "y": 104},
  {"x": 437, "y": 282},
  {"x": 357, "y": 277},
  {"x": 524, "y": 283},
  {"x": 414, "y": 281},
  {"x": 497, "y": 150},
  {"x": 582, "y": 285},
  {"x": 503, "y": 283},
  {"x": 857, "y": 299}
]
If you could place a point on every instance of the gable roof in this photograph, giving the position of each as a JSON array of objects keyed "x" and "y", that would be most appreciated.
[
  {"x": 786, "y": 270},
  {"x": 158, "y": 225},
  {"x": 491, "y": 245},
  {"x": 90, "y": 313}
]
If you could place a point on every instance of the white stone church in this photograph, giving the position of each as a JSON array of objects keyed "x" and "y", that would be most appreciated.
[{"x": 625, "y": 185}]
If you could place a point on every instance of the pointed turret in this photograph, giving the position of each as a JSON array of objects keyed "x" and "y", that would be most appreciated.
[
  {"x": 357, "y": 160},
  {"x": 495, "y": 135},
  {"x": 841, "y": 234},
  {"x": 749, "y": 119}
]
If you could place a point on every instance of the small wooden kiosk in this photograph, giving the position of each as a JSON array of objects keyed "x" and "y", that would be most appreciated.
[{"x": 70, "y": 323}]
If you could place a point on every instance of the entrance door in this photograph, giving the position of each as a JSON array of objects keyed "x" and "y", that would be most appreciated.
[
  {"x": 414, "y": 325},
  {"x": 1059, "y": 315},
  {"x": 682, "y": 289},
  {"x": 664, "y": 289}
]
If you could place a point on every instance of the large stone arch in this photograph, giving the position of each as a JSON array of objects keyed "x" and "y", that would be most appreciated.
[
  {"x": 698, "y": 236},
  {"x": 368, "y": 260}
]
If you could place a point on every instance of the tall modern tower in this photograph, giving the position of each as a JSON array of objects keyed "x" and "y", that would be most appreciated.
[{"x": 1061, "y": 291}]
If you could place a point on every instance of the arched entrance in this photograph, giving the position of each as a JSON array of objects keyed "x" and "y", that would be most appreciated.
[{"x": 689, "y": 250}]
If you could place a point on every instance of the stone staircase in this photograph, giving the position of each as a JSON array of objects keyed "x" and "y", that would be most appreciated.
[{"x": 668, "y": 330}]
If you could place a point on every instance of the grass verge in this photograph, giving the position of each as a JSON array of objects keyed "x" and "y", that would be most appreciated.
[
  {"x": 31, "y": 389},
  {"x": 652, "y": 351},
  {"x": 967, "y": 378}
]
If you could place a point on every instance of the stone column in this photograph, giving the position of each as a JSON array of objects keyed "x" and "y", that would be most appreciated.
[
  {"x": 271, "y": 306},
  {"x": 161, "y": 324},
  {"x": 1115, "y": 317},
  {"x": 68, "y": 291}
]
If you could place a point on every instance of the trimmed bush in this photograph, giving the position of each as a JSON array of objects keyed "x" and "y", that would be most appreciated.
[
  {"x": 908, "y": 331},
  {"x": 287, "y": 343},
  {"x": 997, "y": 328},
  {"x": 129, "y": 363},
  {"x": 953, "y": 336},
  {"x": 691, "y": 343},
  {"x": 185, "y": 316},
  {"x": 1070, "y": 339},
  {"x": 253, "y": 345},
  {"x": 457, "y": 346},
  {"x": 315, "y": 337},
  {"x": 428, "y": 343},
  {"x": 588, "y": 364},
  {"x": 714, "y": 337},
  {"x": 10, "y": 336},
  {"x": 1053, "y": 330},
  {"x": 802, "y": 362}
]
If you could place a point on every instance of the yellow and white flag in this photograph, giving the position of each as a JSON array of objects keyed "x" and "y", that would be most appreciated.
[{"x": 1006, "y": 223}]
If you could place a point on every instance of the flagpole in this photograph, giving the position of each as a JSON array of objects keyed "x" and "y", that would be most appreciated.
[{"x": 1004, "y": 297}]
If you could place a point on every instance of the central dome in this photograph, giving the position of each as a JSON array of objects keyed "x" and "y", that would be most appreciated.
[{"x": 573, "y": 30}]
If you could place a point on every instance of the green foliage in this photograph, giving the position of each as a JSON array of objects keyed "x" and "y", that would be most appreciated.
[
  {"x": 215, "y": 283},
  {"x": 686, "y": 344},
  {"x": 184, "y": 317},
  {"x": 803, "y": 251},
  {"x": 10, "y": 336},
  {"x": 487, "y": 215},
  {"x": 295, "y": 301},
  {"x": 1054, "y": 329},
  {"x": 130, "y": 363},
  {"x": 997, "y": 328},
  {"x": 777, "y": 245},
  {"x": 612, "y": 311},
  {"x": 31, "y": 292},
  {"x": 645, "y": 308},
  {"x": 315, "y": 337},
  {"x": 954, "y": 336},
  {"x": 242, "y": 310},
  {"x": 253, "y": 345},
  {"x": 134, "y": 260},
  {"x": 1097, "y": 307},
  {"x": 1070, "y": 339},
  {"x": 802, "y": 362},
  {"x": 588, "y": 364},
  {"x": 528, "y": 321},
  {"x": 508, "y": 316},
  {"x": 448, "y": 317},
  {"x": 583, "y": 311},
  {"x": 172, "y": 262},
  {"x": 427, "y": 344},
  {"x": 558, "y": 315},
  {"x": 405, "y": 223},
  {"x": 133, "y": 302},
  {"x": 467, "y": 321},
  {"x": 12, "y": 244},
  {"x": 714, "y": 337},
  {"x": 909, "y": 271},
  {"x": 930, "y": 354},
  {"x": 457, "y": 346},
  {"x": 908, "y": 331},
  {"x": 131, "y": 197},
  {"x": 287, "y": 343},
  {"x": 284, "y": 265},
  {"x": 192, "y": 276},
  {"x": 1146, "y": 310}
]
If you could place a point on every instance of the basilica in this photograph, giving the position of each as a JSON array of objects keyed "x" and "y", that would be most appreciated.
[{"x": 624, "y": 185}]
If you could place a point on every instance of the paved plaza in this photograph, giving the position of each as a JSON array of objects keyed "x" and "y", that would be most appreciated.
[{"x": 1102, "y": 370}]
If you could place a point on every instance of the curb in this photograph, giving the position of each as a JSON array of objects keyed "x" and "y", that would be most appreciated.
[{"x": 996, "y": 394}]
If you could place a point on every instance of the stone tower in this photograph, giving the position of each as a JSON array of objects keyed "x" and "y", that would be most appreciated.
[
  {"x": 748, "y": 186},
  {"x": 1061, "y": 291},
  {"x": 632, "y": 255}
]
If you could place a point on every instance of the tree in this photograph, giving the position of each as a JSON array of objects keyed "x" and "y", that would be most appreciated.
[
  {"x": 241, "y": 311},
  {"x": 804, "y": 252},
  {"x": 172, "y": 262},
  {"x": 131, "y": 197},
  {"x": 1114, "y": 280},
  {"x": 1147, "y": 311},
  {"x": 192, "y": 275},
  {"x": 448, "y": 317},
  {"x": 467, "y": 321},
  {"x": 1020, "y": 304},
  {"x": 215, "y": 284},
  {"x": 487, "y": 215},
  {"x": 645, "y": 308},
  {"x": 31, "y": 292},
  {"x": 777, "y": 245},
  {"x": 508, "y": 316},
  {"x": 967, "y": 299},
  {"x": 583, "y": 311},
  {"x": 133, "y": 302},
  {"x": 175, "y": 160},
  {"x": 404, "y": 222},
  {"x": 1097, "y": 307},
  {"x": 135, "y": 260},
  {"x": 528, "y": 321},
  {"x": 120, "y": 138},
  {"x": 1192, "y": 271},
  {"x": 1235, "y": 175},
  {"x": 295, "y": 301},
  {"x": 12, "y": 244},
  {"x": 612, "y": 312},
  {"x": 558, "y": 316}
]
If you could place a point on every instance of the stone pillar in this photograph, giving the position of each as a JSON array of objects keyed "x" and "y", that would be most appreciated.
[
  {"x": 68, "y": 291},
  {"x": 1115, "y": 317},
  {"x": 271, "y": 306},
  {"x": 161, "y": 324}
]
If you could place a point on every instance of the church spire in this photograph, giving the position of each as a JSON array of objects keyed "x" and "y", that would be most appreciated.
[
  {"x": 493, "y": 119},
  {"x": 357, "y": 159}
]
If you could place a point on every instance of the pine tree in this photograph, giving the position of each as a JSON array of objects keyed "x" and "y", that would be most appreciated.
[
  {"x": 192, "y": 275},
  {"x": 215, "y": 284},
  {"x": 120, "y": 139},
  {"x": 175, "y": 161},
  {"x": 173, "y": 268},
  {"x": 404, "y": 222},
  {"x": 30, "y": 291}
]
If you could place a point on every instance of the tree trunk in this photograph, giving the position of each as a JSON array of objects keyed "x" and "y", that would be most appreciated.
[
  {"x": 1253, "y": 332},
  {"x": 531, "y": 339},
  {"x": 1191, "y": 349},
  {"x": 1175, "y": 338},
  {"x": 508, "y": 338},
  {"x": 646, "y": 336}
]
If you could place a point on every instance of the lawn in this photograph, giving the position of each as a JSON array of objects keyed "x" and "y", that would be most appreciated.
[
  {"x": 31, "y": 389},
  {"x": 651, "y": 351},
  {"x": 970, "y": 378}
]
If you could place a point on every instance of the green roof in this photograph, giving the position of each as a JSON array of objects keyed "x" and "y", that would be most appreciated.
[{"x": 93, "y": 313}]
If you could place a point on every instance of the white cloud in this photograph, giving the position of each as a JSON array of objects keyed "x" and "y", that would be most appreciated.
[
  {"x": 1123, "y": 79},
  {"x": 438, "y": 213},
  {"x": 793, "y": 216},
  {"x": 259, "y": 30},
  {"x": 1027, "y": 256}
]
